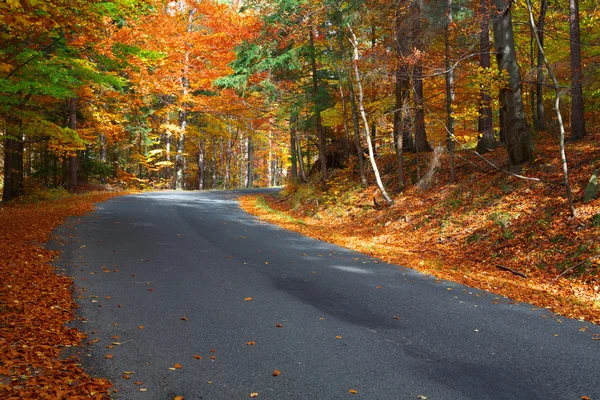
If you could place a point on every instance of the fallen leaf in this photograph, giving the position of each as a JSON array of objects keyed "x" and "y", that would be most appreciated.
[
  {"x": 378, "y": 287},
  {"x": 209, "y": 382},
  {"x": 197, "y": 357},
  {"x": 177, "y": 366},
  {"x": 255, "y": 394},
  {"x": 143, "y": 390},
  {"x": 178, "y": 398},
  {"x": 138, "y": 383},
  {"x": 338, "y": 337},
  {"x": 279, "y": 325},
  {"x": 250, "y": 343},
  {"x": 396, "y": 317},
  {"x": 109, "y": 356},
  {"x": 140, "y": 326},
  {"x": 184, "y": 318},
  {"x": 248, "y": 299},
  {"x": 276, "y": 373},
  {"x": 126, "y": 377},
  {"x": 213, "y": 351},
  {"x": 353, "y": 391},
  {"x": 151, "y": 290}
]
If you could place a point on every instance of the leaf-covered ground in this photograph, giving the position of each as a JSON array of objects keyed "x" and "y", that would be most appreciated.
[
  {"x": 489, "y": 230},
  {"x": 36, "y": 302}
]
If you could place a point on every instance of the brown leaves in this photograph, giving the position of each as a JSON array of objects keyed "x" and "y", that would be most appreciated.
[
  {"x": 276, "y": 373},
  {"x": 197, "y": 357},
  {"x": 279, "y": 325},
  {"x": 109, "y": 356},
  {"x": 248, "y": 299}
]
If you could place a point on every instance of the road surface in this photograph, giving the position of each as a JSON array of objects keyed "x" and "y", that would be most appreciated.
[{"x": 165, "y": 278}]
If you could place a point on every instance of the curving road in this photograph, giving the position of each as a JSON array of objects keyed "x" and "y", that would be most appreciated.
[{"x": 168, "y": 276}]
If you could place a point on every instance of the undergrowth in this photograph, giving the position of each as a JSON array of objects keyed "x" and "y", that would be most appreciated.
[{"x": 475, "y": 230}]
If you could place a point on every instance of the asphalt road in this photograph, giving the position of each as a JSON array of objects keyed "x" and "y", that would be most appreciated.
[{"x": 167, "y": 276}]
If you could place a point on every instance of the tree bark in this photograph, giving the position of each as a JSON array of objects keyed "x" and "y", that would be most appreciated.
[
  {"x": 421, "y": 142},
  {"x": 402, "y": 92},
  {"x": 73, "y": 158},
  {"x": 577, "y": 105},
  {"x": 320, "y": 130},
  {"x": 200, "y": 164},
  {"x": 250, "y": 162},
  {"x": 518, "y": 135},
  {"x": 357, "y": 144},
  {"x": 449, "y": 91},
  {"x": 486, "y": 141},
  {"x": 293, "y": 151},
  {"x": 540, "y": 120},
  {"x": 13, "y": 161}
]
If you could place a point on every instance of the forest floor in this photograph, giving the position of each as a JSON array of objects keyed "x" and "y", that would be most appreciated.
[
  {"x": 489, "y": 230},
  {"x": 36, "y": 302}
]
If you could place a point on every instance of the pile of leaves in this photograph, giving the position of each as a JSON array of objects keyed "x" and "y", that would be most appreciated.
[
  {"x": 36, "y": 303},
  {"x": 489, "y": 229}
]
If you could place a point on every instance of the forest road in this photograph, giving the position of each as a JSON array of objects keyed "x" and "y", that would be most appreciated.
[{"x": 164, "y": 277}]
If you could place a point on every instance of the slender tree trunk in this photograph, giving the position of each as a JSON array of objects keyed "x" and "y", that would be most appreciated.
[
  {"x": 293, "y": 151},
  {"x": 357, "y": 145},
  {"x": 300, "y": 160},
  {"x": 577, "y": 105},
  {"x": 73, "y": 158},
  {"x": 250, "y": 162},
  {"x": 13, "y": 160},
  {"x": 185, "y": 88},
  {"x": 486, "y": 141},
  {"x": 402, "y": 91},
  {"x": 449, "y": 91},
  {"x": 421, "y": 142},
  {"x": 518, "y": 136},
  {"x": 320, "y": 130},
  {"x": 540, "y": 121},
  {"x": 563, "y": 155},
  {"x": 201, "y": 164},
  {"x": 363, "y": 114},
  {"x": 214, "y": 163}
]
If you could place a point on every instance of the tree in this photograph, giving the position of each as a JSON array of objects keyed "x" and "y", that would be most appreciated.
[
  {"x": 577, "y": 104},
  {"x": 518, "y": 136}
]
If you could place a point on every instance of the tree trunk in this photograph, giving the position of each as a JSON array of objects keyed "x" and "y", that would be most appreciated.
[
  {"x": 540, "y": 121},
  {"x": 402, "y": 92},
  {"x": 449, "y": 91},
  {"x": 421, "y": 142},
  {"x": 363, "y": 114},
  {"x": 357, "y": 145},
  {"x": 320, "y": 130},
  {"x": 577, "y": 105},
  {"x": 518, "y": 135},
  {"x": 486, "y": 141},
  {"x": 73, "y": 158},
  {"x": 250, "y": 162},
  {"x": 13, "y": 166},
  {"x": 293, "y": 151},
  {"x": 200, "y": 164}
]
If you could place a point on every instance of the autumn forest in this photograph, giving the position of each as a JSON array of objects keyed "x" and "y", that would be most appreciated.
[{"x": 458, "y": 137}]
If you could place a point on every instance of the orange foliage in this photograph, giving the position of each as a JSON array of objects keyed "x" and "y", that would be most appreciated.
[{"x": 35, "y": 305}]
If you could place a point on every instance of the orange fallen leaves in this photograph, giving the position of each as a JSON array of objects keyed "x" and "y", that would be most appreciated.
[
  {"x": 178, "y": 398},
  {"x": 250, "y": 343},
  {"x": 254, "y": 394},
  {"x": 38, "y": 304},
  {"x": 248, "y": 299},
  {"x": 109, "y": 356},
  {"x": 177, "y": 366},
  {"x": 197, "y": 357},
  {"x": 279, "y": 325},
  {"x": 353, "y": 391},
  {"x": 276, "y": 373}
]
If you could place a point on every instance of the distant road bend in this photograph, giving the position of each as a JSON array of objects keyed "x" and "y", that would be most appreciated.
[{"x": 206, "y": 302}]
